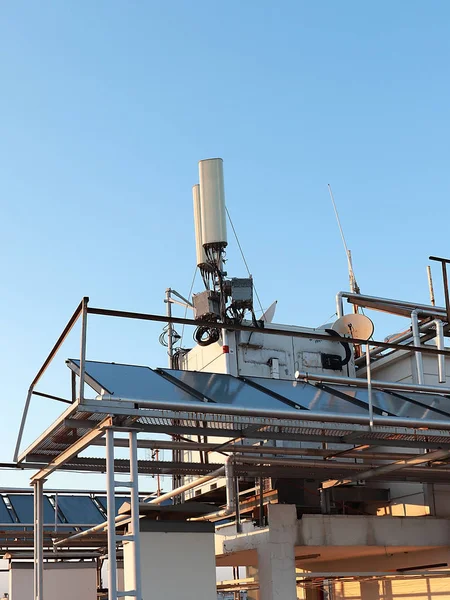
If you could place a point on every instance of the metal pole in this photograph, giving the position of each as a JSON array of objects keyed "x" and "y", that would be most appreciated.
[
  {"x": 444, "y": 262},
  {"x": 369, "y": 384},
  {"x": 134, "y": 526},
  {"x": 111, "y": 520},
  {"x": 22, "y": 424},
  {"x": 440, "y": 344},
  {"x": 416, "y": 337},
  {"x": 84, "y": 314},
  {"x": 169, "y": 328},
  {"x": 38, "y": 540},
  {"x": 430, "y": 286}
]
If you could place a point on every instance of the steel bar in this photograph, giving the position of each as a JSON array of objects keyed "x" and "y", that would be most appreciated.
[
  {"x": 440, "y": 343},
  {"x": 383, "y": 385},
  {"x": 398, "y": 307},
  {"x": 416, "y": 337},
  {"x": 248, "y": 328},
  {"x": 51, "y": 397},
  {"x": 67, "y": 329},
  {"x": 84, "y": 307},
  {"x": 444, "y": 262},
  {"x": 369, "y": 385}
]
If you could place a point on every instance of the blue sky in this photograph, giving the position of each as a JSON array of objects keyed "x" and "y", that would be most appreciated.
[{"x": 107, "y": 107}]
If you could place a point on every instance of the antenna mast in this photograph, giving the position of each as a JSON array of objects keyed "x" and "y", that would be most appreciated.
[{"x": 354, "y": 287}]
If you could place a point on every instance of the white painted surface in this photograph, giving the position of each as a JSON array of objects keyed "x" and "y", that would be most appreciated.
[
  {"x": 68, "y": 582},
  {"x": 276, "y": 558},
  {"x": 175, "y": 565}
]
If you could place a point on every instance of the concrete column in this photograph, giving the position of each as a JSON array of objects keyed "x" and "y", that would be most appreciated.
[{"x": 276, "y": 558}]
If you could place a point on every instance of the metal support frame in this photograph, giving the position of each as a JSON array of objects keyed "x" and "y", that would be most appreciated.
[
  {"x": 133, "y": 537},
  {"x": 67, "y": 329},
  {"x": 84, "y": 309},
  {"x": 38, "y": 554}
]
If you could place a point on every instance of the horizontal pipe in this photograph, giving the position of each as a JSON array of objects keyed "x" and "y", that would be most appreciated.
[
  {"x": 383, "y": 385},
  {"x": 123, "y": 518},
  {"x": 301, "y": 415},
  {"x": 251, "y": 329},
  {"x": 437, "y": 311},
  {"x": 187, "y": 486}
]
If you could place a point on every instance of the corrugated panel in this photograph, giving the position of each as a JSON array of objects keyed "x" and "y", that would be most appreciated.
[{"x": 80, "y": 510}]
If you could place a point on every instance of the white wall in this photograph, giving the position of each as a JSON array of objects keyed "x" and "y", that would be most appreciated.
[
  {"x": 175, "y": 565},
  {"x": 68, "y": 581}
]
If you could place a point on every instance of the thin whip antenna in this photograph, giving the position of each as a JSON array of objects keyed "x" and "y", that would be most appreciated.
[
  {"x": 243, "y": 258},
  {"x": 351, "y": 274}
]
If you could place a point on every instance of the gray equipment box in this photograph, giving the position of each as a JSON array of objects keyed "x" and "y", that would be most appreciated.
[
  {"x": 206, "y": 305},
  {"x": 242, "y": 292}
]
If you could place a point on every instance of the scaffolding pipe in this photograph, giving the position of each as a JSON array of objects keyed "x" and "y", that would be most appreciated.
[
  {"x": 38, "y": 555},
  {"x": 436, "y": 311},
  {"x": 111, "y": 521},
  {"x": 135, "y": 531},
  {"x": 383, "y": 385},
  {"x": 416, "y": 338}
]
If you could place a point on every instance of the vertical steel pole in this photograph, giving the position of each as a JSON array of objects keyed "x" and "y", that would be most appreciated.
[
  {"x": 111, "y": 507},
  {"x": 84, "y": 314},
  {"x": 38, "y": 540},
  {"x": 369, "y": 384},
  {"x": 136, "y": 543},
  {"x": 169, "y": 328},
  {"x": 22, "y": 424},
  {"x": 416, "y": 338}
]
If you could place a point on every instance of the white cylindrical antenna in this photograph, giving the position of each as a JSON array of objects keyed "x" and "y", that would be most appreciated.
[
  {"x": 212, "y": 203},
  {"x": 200, "y": 251}
]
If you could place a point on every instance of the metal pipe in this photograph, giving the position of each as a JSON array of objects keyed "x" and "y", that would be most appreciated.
[
  {"x": 416, "y": 337},
  {"x": 369, "y": 385},
  {"x": 169, "y": 328},
  {"x": 134, "y": 526},
  {"x": 384, "y": 385},
  {"x": 84, "y": 305},
  {"x": 38, "y": 554},
  {"x": 22, "y": 424},
  {"x": 399, "y": 340},
  {"x": 441, "y": 345},
  {"x": 111, "y": 520},
  {"x": 313, "y": 335},
  {"x": 187, "y": 486},
  {"x": 339, "y": 304},
  {"x": 302, "y": 415},
  {"x": 436, "y": 310}
]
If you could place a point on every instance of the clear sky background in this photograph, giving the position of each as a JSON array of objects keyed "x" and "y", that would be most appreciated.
[{"x": 107, "y": 106}]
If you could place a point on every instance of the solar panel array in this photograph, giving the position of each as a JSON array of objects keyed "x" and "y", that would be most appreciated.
[
  {"x": 17, "y": 509},
  {"x": 182, "y": 387}
]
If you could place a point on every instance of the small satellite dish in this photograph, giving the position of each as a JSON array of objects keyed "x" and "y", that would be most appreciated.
[
  {"x": 356, "y": 326},
  {"x": 268, "y": 316}
]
